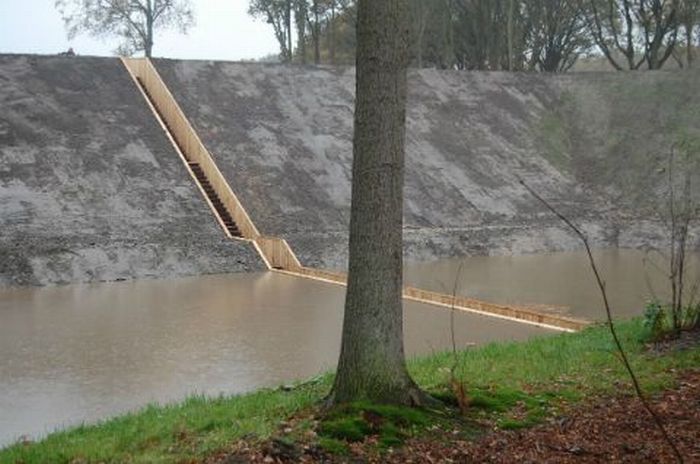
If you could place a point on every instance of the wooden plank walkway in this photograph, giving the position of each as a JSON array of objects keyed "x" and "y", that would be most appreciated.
[
  {"x": 276, "y": 252},
  {"x": 521, "y": 314}
]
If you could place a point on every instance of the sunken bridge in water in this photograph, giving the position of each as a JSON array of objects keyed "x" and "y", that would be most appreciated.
[{"x": 123, "y": 169}]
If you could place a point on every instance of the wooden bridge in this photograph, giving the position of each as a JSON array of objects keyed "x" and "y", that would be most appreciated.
[{"x": 276, "y": 252}]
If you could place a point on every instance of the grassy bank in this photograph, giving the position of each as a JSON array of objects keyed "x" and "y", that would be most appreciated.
[{"x": 513, "y": 384}]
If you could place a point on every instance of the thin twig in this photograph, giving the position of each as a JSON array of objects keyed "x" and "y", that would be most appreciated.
[
  {"x": 647, "y": 279},
  {"x": 457, "y": 385},
  {"x": 611, "y": 325},
  {"x": 452, "y": 315}
]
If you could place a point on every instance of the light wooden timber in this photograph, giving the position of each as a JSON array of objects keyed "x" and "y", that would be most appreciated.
[
  {"x": 276, "y": 252},
  {"x": 187, "y": 141},
  {"x": 461, "y": 303}
]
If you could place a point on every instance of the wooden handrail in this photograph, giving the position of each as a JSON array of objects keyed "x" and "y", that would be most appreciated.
[
  {"x": 189, "y": 142},
  {"x": 513, "y": 313},
  {"x": 276, "y": 252}
]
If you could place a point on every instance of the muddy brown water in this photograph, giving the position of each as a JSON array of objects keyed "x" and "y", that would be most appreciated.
[
  {"x": 561, "y": 280},
  {"x": 81, "y": 353},
  {"x": 87, "y": 352}
]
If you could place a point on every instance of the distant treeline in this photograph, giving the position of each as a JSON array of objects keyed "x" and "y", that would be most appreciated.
[{"x": 510, "y": 35}]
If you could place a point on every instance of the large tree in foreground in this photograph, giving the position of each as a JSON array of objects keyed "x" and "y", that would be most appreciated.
[
  {"x": 134, "y": 21},
  {"x": 372, "y": 365}
]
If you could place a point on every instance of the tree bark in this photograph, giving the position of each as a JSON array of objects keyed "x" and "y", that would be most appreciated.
[
  {"x": 331, "y": 45},
  {"x": 372, "y": 365},
  {"x": 148, "y": 46},
  {"x": 317, "y": 33},
  {"x": 689, "y": 46},
  {"x": 301, "y": 18},
  {"x": 511, "y": 13},
  {"x": 288, "y": 26},
  {"x": 449, "y": 62}
]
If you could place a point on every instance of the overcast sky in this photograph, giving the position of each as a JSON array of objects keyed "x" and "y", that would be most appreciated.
[{"x": 223, "y": 31}]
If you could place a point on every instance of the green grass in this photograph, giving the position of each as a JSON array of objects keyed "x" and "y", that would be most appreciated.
[
  {"x": 390, "y": 423},
  {"x": 334, "y": 446},
  {"x": 195, "y": 427},
  {"x": 513, "y": 384}
]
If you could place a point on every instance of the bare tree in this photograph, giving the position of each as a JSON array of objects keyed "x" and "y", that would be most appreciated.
[
  {"x": 557, "y": 34},
  {"x": 432, "y": 32},
  {"x": 372, "y": 364},
  {"x": 419, "y": 10},
  {"x": 301, "y": 18},
  {"x": 332, "y": 29},
  {"x": 681, "y": 212},
  {"x": 610, "y": 322},
  {"x": 510, "y": 34},
  {"x": 642, "y": 31},
  {"x": 308, "y": 19},
  {"x": 314, "y": 22},
  {"x": 340, "y": 25},
  {"x": 278, "y": 14},
  {"x": 481, "y": 35},
  {"x": 690, "y": 21},
  {"x": 134, "y": 21},
  {"x": 489, "y": 34}
]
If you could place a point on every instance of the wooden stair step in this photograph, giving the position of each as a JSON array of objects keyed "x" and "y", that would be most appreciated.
[{"x": 198, "y": 172}]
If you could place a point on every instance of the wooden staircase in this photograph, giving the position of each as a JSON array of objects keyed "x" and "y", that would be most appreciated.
[
  {"x": 208, "y": 189},
  {"x": 275, "y": 251},
  {"x": 214, "y": 199}
]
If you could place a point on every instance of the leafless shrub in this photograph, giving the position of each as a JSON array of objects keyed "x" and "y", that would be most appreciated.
[
  {"x": 611, "y": 325},
  {"x": 682, "y": 213},
  {"x": 678, "y": 211}
]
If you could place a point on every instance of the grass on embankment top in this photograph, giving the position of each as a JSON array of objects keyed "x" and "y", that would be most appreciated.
[{"x": 498, "y": 377}]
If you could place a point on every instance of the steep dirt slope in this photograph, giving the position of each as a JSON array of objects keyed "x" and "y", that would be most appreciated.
[
  {"x": 282, "y": 136},
  {"x": 614, "y": 131},
  {"x": 90, "y": 188}
]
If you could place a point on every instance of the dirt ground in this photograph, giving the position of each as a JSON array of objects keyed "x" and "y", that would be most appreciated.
[
  {"x": 611, "y": 429},
  {"x": 615, "y": 429}
]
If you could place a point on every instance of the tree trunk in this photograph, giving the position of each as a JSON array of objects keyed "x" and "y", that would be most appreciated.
[
  {"x": 689, "y": 45},
  {"x": 421, "y": 12},
  {"x": 372, "y": 365},
  {"x": 288, "y": 26},
  {"x": 300, "y": 16},
  {"x": 317, "y": 34},
  {"x": 148, "y": 46},
  {"x": 419, "y": 42},
  {"x": 331, "y": 45},
  {"x": 511, "y": 13},
  {"x": 450, "y": 46}
]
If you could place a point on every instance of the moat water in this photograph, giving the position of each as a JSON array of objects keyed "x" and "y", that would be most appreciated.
[
  {"x": 563, "y": 281},
  {"x": 81, "y": 353}
]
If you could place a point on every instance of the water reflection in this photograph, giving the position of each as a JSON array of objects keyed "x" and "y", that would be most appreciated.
[{"x": 562, "y": 279}]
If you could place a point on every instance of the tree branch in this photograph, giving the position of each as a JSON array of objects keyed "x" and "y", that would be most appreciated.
[{"x": 610, "y": 323}]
